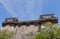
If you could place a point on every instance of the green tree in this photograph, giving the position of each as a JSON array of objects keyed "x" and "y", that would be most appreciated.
[
  {"x": 5, "y": 34},
  {"x": 51, "y": 31}
]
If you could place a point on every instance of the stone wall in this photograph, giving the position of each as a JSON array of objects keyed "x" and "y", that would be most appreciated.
[{"x": 23, "y": 32}]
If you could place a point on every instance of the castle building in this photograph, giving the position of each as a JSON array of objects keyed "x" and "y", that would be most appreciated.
[
  {"x": 27, "y": 29},
  {"x": 43, "y": 19}
]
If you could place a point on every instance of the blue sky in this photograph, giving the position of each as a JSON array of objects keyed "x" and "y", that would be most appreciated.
[{"x": 28, "y": 9}]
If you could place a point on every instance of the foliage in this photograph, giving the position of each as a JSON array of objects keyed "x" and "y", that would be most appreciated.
[
  {"x": 5, "y": 34},
  {"x": 51, "y": 31}
]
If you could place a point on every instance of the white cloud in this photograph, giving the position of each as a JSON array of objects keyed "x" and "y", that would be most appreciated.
[
  {"x": 23, "y": 8},
  {"x": 8, "y": 6}
]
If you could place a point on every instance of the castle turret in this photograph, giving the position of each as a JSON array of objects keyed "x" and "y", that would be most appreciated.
[
  {"x": 10, "y": 21},
  {"x": 48, "y": 18}
]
